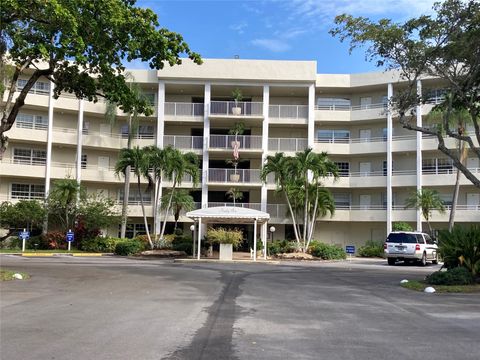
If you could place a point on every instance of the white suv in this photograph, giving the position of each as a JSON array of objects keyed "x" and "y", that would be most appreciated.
[{"x": 410, "y": 246}]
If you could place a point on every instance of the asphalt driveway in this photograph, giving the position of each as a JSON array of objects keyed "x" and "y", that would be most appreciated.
[{"x": 113, "y": 308}]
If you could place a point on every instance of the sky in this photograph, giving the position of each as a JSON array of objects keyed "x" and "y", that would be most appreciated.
[{"x": 277, "y": 29}]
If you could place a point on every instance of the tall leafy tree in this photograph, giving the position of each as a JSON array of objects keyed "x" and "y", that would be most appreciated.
[
  {"x": 82, "y": 47},
  {"x": 426, "y": 200},
  {"x": 28, "y": 214},
  {"x": 62, "y": 202},
  {"x": 137, "y": 160},
  {"x": 444, "y": 45},
  {"x": 299, "y": 179}
]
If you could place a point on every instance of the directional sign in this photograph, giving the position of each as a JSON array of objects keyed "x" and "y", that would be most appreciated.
[
  {"x": 70, "y": 236},
  {"x": 350, "y": 249},
  {"x": 24, "y": 235}
]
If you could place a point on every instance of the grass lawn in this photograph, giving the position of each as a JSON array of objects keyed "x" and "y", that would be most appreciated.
[
  {"x": 6, "y": 275},
  {"x": 421, "y": 285},
  {"x": 10, "y": 251}
]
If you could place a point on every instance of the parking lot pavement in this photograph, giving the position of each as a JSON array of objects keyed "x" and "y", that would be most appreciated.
[{"x": 113, "y": 308}]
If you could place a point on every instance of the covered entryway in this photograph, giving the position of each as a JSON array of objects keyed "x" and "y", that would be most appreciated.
[{"x": 231, "y": 215}]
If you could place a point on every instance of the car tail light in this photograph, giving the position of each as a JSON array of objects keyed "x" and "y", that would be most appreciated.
[
  {"x": 417, "y": 247},
  {"x": 384, "y": 246}
]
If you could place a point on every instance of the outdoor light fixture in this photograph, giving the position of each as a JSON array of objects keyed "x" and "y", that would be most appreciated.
[{"x": 272, "y": 230}]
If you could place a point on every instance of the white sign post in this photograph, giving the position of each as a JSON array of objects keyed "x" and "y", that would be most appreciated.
[
  {"x": 24, "y": 235},
  {"x": 70, "y": 237}
]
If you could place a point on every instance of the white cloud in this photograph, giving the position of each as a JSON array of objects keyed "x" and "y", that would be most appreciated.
[
  {"x": 239, "y": 28},
  {"x": 275, "y": 45}
]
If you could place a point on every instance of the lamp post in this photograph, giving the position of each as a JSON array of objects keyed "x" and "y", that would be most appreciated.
[
  {"x": 272, "y": 230},
  {"x": 192, "y": 229}
]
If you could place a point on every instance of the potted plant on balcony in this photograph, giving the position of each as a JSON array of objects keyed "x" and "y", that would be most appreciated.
[
  {"x": 237, "y": 129},
  {"x": 228, "y": 239},
  {"x": 234, "y": 194},
  {"x": 237, "y": 96}
]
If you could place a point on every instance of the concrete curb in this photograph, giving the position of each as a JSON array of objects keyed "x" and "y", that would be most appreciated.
[
  {"x": 59, "y": 254},
  {"x": 269, "y": 262}
]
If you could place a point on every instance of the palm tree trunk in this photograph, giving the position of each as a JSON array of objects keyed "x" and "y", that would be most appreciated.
[
  {"x": 143, "y": 213},
  {"x": 167, "y": 209},
  {"x": 126, "y": 195},
  {"x": 305, "y": 214},
  {"x": 295, "y": 230},
  {"x": 312, "y": 220},
  {"x": 456, "y": 189}
]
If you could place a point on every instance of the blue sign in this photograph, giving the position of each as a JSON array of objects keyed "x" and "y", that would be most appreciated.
[
  {"x": 70, "y": 236},
  {"x": 24, "y": 235},
  {"x": 350, "y": 249}
]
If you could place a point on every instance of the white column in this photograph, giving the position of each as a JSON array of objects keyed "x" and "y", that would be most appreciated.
[
  {"x": 48, "y": 163},
  {"x": 389, "y": 158},
  {"x": 265, "y": 125},
  {"x": 255, "y": 240},
  {"x": 79, "y": 141},
  {"x": 419, "y": 153},
  {"x": 206, "y": 144},
  {"x": 159, "y": 143},
  {"x": 264, "y": 239},
  {"x": 160, "y": 113},
  {"x": 199, "y": 233},
  {"x": 311, "y": 115}
]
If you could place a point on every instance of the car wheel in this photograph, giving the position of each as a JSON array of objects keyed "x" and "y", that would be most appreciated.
[
  {"x": 391, "y": 261},
  {"x": 435, "y": 260},
  {"x": 423, "y": 261}
]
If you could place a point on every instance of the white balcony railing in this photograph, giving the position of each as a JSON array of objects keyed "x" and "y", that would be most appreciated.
[
  {"x": 179, "y": 109},
  {"x": 299, "y": 112},
  {"x": 247, "y": 142},
  {"x": 254, "y": 206},
  {"x": 250, "y": 176},
  {"x": 227, "y": 108},
  {"x": 287, "y": 144},
  {"x": 183, "y": 142},
  {"x": 334, "y": 107}
]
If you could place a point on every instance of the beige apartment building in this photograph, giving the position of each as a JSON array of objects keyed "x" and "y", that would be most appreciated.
[{"x": 286, "y": 107}]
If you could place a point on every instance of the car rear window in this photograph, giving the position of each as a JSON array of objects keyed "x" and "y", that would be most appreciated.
[{"x": 402, "y": 238}]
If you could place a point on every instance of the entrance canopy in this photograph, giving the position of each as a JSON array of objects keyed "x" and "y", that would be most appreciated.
[{"x": 232, "y": 215}]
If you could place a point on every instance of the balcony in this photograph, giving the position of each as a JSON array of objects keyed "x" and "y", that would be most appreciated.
[
  {"x": 184, "y": 142},
  {"x": 350, "y": 113},
  {"x": 288, "y": 113},
  {"x": 246, "y": 142},
  {"x": 246, "y": 109},
  {"x": 175, "y": 111},
  {"x": 229, "y": 176},
  {"x": 254, "y": 206},
  {"x": 287, "y": 144}
]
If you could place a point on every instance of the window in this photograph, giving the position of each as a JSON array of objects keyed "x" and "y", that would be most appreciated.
[
  {"x": 150, "y": 98},
  {"x": 145, "y": 131},
  {"x": 84, "y": 161},
  {"x": 27, "y": 191},
  {"x": 420, "y": 239},
  {"x": 134, "y": 197},
  {"x": 28, "y": 121},
  {"x": 29, "y": 156},
  {"x": 342, "y": 201},
  {"x": 134, "y": 230},
  {"x": 333, "y": 136},
  {"x": 429, "y": 240},
  {"x": 437, "y": 166},
  {"x": 402, "y": 238},
  {"x": 40, "y": 87},
  {"x": 333, "y": 103},
  {"x": 343, "y": 168}
]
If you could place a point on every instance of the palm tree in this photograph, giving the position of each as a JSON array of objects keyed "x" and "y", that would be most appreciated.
[
  {"x": 299, "y": 179},
  {"x": 177, "y": 166},
  {"x": 234, "y": 194},
  {"x": 181, "y": 200},
  {"x": 132, "y": 126},
  {"x": 137, "y": 160},
  {"x": 62, "y": 201},
  {"x": 426, "y": 200}
]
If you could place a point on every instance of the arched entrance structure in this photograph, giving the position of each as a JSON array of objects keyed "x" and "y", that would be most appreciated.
[{"x": 232, "y": 215}]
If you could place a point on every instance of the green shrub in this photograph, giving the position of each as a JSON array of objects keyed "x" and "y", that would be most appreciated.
[
  {"x": 326, "y": 251},
  {"x": 41, "y": 241},
  {"x": 183, "y": 243},
  {"x": 100, "y": 244},
  {"x": 461, "y": 247},
  {"x": 371, "y": 248},
  {"x": 128, "y": 247},
  {"x": 401, "y": 226},
  {"x": 12, "y": 243},
  {"x": 281, "y": 247},
  {"x": 456, "y": 276}
]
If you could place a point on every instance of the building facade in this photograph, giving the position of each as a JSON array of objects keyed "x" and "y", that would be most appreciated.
[{"x": 286, "y": 107}]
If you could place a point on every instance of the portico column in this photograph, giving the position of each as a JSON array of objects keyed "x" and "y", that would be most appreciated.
[
  {"x": 199, "y": 238},
  {"x": 419, "y": 153},
  {"x": 255, "y": 240},
  {"x": 389, "y": 158},
  {"x": 311, "y": 115}
]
